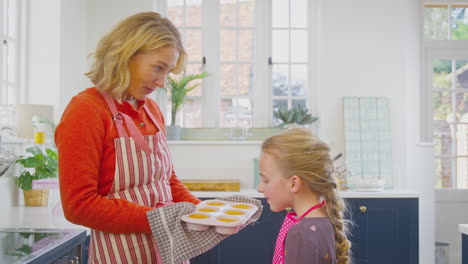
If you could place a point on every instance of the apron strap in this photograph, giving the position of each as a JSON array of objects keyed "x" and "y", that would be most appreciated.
[
  {"x": 311, "y": 209},
  {"x": 119, "y": 118}
]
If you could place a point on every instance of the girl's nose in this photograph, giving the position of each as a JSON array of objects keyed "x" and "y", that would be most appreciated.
[{"x": 260, "y": 188}]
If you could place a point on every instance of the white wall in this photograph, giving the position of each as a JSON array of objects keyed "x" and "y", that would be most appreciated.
[
  {"x": 73, "y": 52},
  {"x": 103, "y": 15},
  {"x": 43, "y": 69}
]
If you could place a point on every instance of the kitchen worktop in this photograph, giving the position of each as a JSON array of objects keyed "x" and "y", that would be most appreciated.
[
  {"x": 47, "y": 217},
  {"x": 463, "y": 228},
  {"x": 345, "y": 194},
  {"x": 41, "y": 217}
]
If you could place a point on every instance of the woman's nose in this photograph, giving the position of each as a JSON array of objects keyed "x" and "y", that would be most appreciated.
[{"x": 160, "y": 81}]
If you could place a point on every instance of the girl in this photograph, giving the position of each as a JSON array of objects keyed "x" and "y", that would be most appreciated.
[{"x": 297, "y": 172}]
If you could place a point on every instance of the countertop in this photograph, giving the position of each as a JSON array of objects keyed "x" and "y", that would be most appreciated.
[
  {"x": 345, "y": 194},
  {"x": 463, "y": 228},
  {"x": 48, "y": 217},
  {"x": 41, "y": 217}
]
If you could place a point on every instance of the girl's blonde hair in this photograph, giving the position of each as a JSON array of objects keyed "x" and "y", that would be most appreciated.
[
  {"x": 138, "y": 33},
  {"x": 300, "y": 153}
]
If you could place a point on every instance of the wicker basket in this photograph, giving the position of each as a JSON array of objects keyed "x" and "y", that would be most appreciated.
[{"x": 36, "y": 197}]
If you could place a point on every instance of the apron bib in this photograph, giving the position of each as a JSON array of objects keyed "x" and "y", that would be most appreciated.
[
  {"x": 290, "y": 220},
  {"x": 142, "y": 172}
]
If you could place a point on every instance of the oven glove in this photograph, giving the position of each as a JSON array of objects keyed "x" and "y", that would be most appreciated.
[{"x": 177, "y": 243}]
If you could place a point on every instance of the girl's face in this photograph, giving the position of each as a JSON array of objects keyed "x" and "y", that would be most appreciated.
[
  {"x": 274, "y": 186},
  {"x": 148, "y": 70}
]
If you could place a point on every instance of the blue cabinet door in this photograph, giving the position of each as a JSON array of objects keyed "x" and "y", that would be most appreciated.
[
  {"x": 253, "y": 244},
  {"x": 385, "y": 230}
]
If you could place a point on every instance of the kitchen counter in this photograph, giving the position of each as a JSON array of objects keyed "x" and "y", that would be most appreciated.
[
  {"x": 345, "y": 194},
  {"x": 463, "y": 228},
  {"x": 43, "y": 217},
  {"x": 35, "y": 217}
]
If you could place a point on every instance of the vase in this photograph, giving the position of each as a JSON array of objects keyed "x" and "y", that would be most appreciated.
[
  {"x": 36, "y": 197},
  {"x": 174, "y": 132}
]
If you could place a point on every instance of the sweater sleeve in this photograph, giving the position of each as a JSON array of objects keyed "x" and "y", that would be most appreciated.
[
  {"x": 80, "y": 139},
  {"x": 180, "y": 193}
]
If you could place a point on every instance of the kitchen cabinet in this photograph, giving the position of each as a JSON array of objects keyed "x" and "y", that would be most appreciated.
[
  {"x": 464, "y": 249},
  {"x": 384, "y": 230}
]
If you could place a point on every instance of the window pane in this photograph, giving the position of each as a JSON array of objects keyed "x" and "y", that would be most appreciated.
[
  {"x": 277, "y": 104},
  {"x": 175, "y": 11},
  {"x": 443, "y": 168},
  {"x": 192, "y": 112},
  {"x": 12, "y": 5},
  {"x": 299, "y": 13},
  {"x": 441, "y": 74},
  {"x": 11, "y": 93},
  {"x": 228, "y": 50},
  {"x": 461, "y": 101},
  {"x": 442, "y": 105},
  {"x": 193, "y": 12},
  {"x": 226, "y": 116},
  {"x": 462, "y": 136},
  {"x": 195, "y": 69},
  {"x": 443, "y": 150},
  {"x": 462, "y": 74},
  {"x": 246, "y": 43},
  {"x": 299, "y": 102},
  {"x": 280, "y": 13},
  {"x": 298, "y": 80},
  {"x": 280, "y": 46},
  {"x": 436, "y": 23},
  {"x": 245, "y": 79},
  {"x": 193, "y": 44},
  {"x": 459, "y": 22},
  {"x": 280, "y": 80},
  {"x": 228, "y": 12},
  {"x": 228, "y": 79},
  {"x": 11, "y": 62},
  {"x": 298, "y": 46},
  {"x": 246, "y": 13},
  {"x": 462, "y": 173}
]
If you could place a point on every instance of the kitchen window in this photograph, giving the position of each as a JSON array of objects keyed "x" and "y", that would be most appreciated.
[
  {"x": 9, "y": 52},
  {"x": 257, "y": 55},
  {"x": 445, "y": 91}
]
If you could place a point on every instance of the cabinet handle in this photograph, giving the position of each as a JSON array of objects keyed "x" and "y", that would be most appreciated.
[{"x": 362, "y": 208}]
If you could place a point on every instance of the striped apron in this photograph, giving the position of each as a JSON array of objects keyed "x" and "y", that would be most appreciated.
[{"x": 142, "y": 172}]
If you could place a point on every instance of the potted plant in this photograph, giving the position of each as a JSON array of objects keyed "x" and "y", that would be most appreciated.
[
  {"x": 179, "y": 87},
  {"x": 294, "y": 117},
  {"x": 38, "y": 164}
]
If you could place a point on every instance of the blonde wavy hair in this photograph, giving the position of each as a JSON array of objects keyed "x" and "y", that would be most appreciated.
[
  {"x": 138, "y": 33},
  {"x": 301, "y": 153}
]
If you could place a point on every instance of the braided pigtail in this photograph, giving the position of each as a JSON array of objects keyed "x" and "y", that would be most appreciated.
[{"x": 335, "y": 206}]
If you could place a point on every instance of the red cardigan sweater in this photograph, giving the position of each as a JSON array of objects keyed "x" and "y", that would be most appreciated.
[{"x": 85, "y": 142}]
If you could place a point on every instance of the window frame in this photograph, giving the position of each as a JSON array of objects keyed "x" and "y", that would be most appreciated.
[
  {"x": 262, "y": 94},
  {"x": 431, "y": 50}
]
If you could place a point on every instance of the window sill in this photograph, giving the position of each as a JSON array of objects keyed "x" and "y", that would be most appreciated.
[
  {"x": 214, "y": 142},
  {"x": 451, "y": 195}
]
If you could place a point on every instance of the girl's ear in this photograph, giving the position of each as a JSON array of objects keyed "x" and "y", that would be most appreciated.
[{"x": 295, "y": 183}]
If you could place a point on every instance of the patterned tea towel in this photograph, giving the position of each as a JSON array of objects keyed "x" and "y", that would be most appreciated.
[{"x": 176, "y": 242}]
